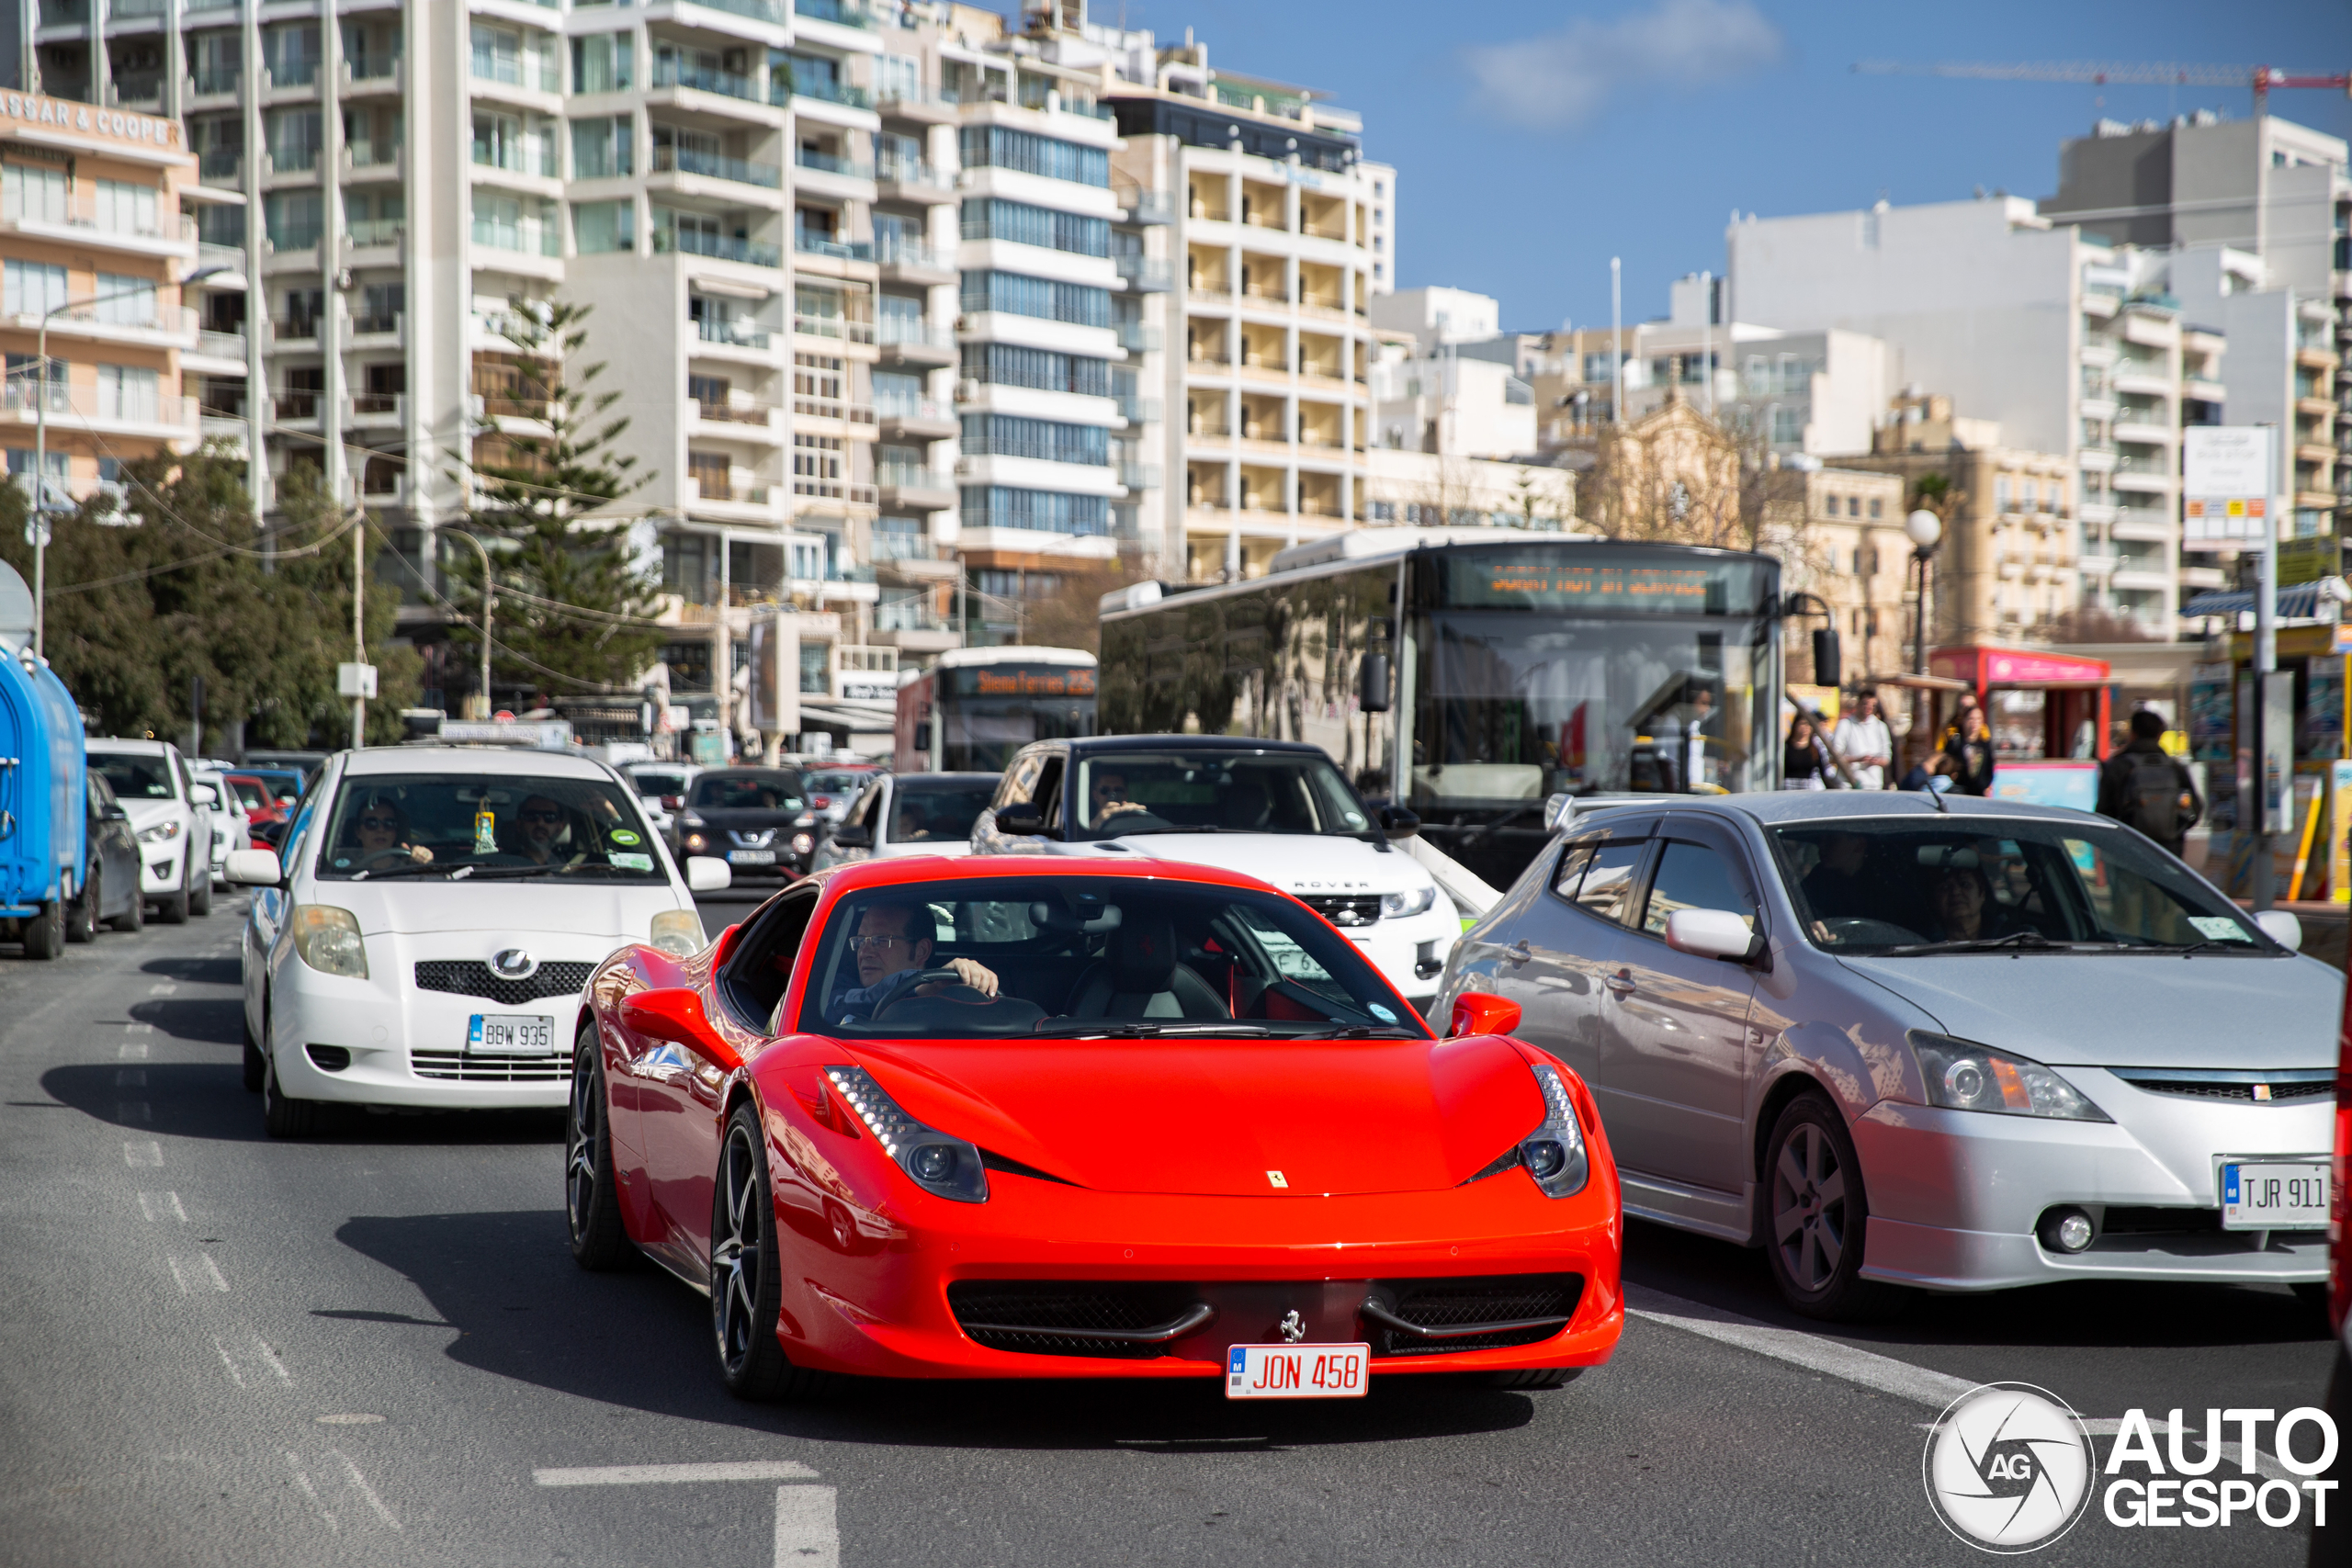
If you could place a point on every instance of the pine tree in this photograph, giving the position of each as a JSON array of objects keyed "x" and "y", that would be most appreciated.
[{"x": 576, "y": 599}]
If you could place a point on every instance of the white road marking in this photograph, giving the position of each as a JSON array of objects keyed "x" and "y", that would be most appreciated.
[
  {"x": 359, "y": 1485},
  {"x": 162, "y": 990},
  {"x": 652, "y": 1474},
  {"x": 180, "y": 1278},
  {"x": 132, "y": 1111},
  {"x": 161, "y": 1206},
  {"x": 133, "y": 1052},
  {"x": 1885, "y": 1373},
  {"x": 213, "y": 1269},
  {"x": 311, "y": 1492},
  {"x": 270, "y": 1356},
  {"x": 131, "y": 1077},
  {"x": 235, "y": 1375},
  {"x": 346, "y": 1420},
  {"x": 140, "y": 1028},
  {"x": 806, "y": 1535},
  {"x": 139, "y": 1155}
]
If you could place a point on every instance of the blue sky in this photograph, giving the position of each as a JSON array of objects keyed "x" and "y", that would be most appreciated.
[{"x": 1535, "y": 141}]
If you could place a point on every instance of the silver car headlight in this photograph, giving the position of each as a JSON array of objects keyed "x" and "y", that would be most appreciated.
[
  {"x": 1962, "y": 1076},
  {"x": 941, "y": 1165},
  {"x": 1404, "y": 906},
  {"x": 1554, "y": 1153}
]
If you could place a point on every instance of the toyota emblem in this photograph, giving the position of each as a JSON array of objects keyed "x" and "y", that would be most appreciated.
[{"x": 514, "y": 964}]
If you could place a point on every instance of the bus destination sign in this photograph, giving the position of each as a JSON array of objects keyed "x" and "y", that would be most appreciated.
[
  {"x": 1554, "y": 585},
  {"x": 1030, "y": 681}
]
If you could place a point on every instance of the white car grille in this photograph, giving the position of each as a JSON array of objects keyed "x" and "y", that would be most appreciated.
[{"x": 456, "y": 1066}]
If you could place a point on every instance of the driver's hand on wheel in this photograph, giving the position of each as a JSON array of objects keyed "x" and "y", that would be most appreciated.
[{"x": 977, "y": 976}]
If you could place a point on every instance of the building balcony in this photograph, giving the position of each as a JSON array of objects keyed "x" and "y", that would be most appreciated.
[
  {"x": 927, "y": 104},
  {"x": 918, "y": 343},
  {"x": 377, "y": 331},
  {"x": 817, "y": 90},
  {"x": 74, "y": 222},
  {"x": 1140, "y": 411},
  {"x": 164, "y": 326},
  {"x": 675, "y": 160},
  {"x": 812, "y": 161},
  {"x": 842, "y": 493},
  {"x": 2096, "y": 459},
  {"x": 2204, "y": 391},
  {"x": 839, "y": 328},
  {"x": 909, "y": 487},
  {"x": 908, "y": 264},
  {"x": 1136, "y": 337},
  {"x": 920, "y": 419},
  {"x": 735, "y": 421},
  {"x": 1147, "y": 208},
  {"x": 2145, "y": 435},
  {"x": 1144, "y": 275},
  {"x": 913, "y": 179},
  {"x": 675, "y": 72},
  {"x": 811, "y": 243},
  {"x": 717, "y": 247},
  {"x": 2144, "y": 482},
  {"x": 375, "y": 409}
]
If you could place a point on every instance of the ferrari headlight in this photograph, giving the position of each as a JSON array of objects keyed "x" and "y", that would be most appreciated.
[
  {"x": 944, "y": 1166},
  {"x": 161, "y": 833},
  {"x": 1403, "y": 906},
  {"x": 1964, "y": 1077},
  {"x": 678, "y": 931},
  {"x": 328, "y": 940},
  {"x": 1554, "y": 1153}
]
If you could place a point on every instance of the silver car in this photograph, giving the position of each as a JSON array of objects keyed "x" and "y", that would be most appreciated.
[
  {"x": 899, "y": 815},
  {"x": 1900, "y": 1040}
]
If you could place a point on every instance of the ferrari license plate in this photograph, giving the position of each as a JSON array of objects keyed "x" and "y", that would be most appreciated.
[
  {"x": 751, "y": 857},
  {"x": 2274, "y": 1197},
  {"x": 1297, "y": 1371},
  {"x": 510, "y": 1034}
]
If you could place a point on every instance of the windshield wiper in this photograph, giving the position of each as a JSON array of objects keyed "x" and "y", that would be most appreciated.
[
  {"x": 1360, "y": 1032},
  {"x": 413, "y": 868},
  {"x": 503, "y": 873},
  {"x": 2183, "y": 949},
  {"x": 2025, "y": 940},
  {"x": 1176, "y": 827}
]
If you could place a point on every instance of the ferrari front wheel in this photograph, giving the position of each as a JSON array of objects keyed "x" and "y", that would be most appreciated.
[
  {"x": 746, "y": 1274},
  {"x": 591, "y": 1188}
]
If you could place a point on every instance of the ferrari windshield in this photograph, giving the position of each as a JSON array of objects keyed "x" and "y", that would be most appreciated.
[
  {"x": 485, "y": 827},
  {"x": 1088, "y": 957},
  {"x": 1901, "y": 888},
  {"x": 1240, "y": 792}
]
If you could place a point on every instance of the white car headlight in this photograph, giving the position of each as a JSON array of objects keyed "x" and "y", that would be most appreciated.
[
  {"x": 1403, "y": 906},
  {"x": 679, "y": 931},
  {"x": 161, "y": 833},
  {"x": 328, "y": 940},
  {"x": 1964, "y": 1077}
]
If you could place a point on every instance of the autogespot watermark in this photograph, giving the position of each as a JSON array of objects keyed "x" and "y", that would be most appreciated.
[{"x": 2010, "y": 1467}]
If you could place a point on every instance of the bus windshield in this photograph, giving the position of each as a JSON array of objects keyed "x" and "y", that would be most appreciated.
[
  {"x": 1533, "y": 678},
  {"x": 989, "y": 711}
]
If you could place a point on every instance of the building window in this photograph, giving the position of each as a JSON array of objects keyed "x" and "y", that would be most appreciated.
[
  {"x": 1878, "y": 507},
  {"x": 998, "y": 147},
  {"x": 601, "y": 227},
  {"x": 127, "y": 393},
  {"x": 603, "y": 62},
  {"x": 292, "y": 219},
  {"x": 1045, "y": 370},
  {"x": 124, "y": 300},
  {"x": 995, "y": 219},
  {"x": 127, "y": 208},
  {"x": 1382, "y": 512},
  {"x": 1000, "y": 506},
  {"x": 1008, "y": 435},
  {"x": 1017, "y": 294},
  {"x": 710, "y": 472}
]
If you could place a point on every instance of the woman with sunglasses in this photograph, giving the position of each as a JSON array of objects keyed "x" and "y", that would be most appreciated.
[{"x": 383, "y": 834}]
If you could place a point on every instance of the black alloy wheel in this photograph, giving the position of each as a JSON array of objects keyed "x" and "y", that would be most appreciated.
[
  {"x": 45, "y": 932},
  {"x": 256, "y": 1065},
  {"x": 591, "y": 1188},
  {"x": 134, "y": 916},
  {"x": 281, "y": 1115},
  {"x": 172, "y": 909},
  {"x": 746, "y": 1272},
  {"x": 1817, "y": 1217},
  {"x": 81, "y": 920}
]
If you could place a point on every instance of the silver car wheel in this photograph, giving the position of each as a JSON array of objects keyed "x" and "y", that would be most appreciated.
[{"x": 1808, "y": 1208}]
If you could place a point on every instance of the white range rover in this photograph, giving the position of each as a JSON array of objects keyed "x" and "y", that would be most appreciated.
[
  {"x": 425, "y": 939},
  {"x": 1276, "y": 810}
]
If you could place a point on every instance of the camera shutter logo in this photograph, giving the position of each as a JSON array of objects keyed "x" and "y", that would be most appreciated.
[{"x": 2009, "y": 1468}]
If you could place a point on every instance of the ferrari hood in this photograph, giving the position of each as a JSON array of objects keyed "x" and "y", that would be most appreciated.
[{"x": 1236, "y": 1118}]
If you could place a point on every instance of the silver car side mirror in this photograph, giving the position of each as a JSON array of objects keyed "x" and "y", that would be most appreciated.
[
  {"x": 2283, "y": 926},
  {"x": 1710, "y": 933}
]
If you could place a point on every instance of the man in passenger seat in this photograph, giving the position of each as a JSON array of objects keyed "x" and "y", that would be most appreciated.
[{"x": 893, "y": 944}]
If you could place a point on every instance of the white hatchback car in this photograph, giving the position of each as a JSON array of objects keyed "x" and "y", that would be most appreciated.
[
  {"x": 231, "y": 829},
  {"x": 170, "y": 812},
  {"x": 426, "y": 938}
]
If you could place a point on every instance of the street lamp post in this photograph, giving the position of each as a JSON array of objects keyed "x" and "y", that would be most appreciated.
[
  {"x": 1924, "y": 530},
  {"x": 39, "y": 525}
]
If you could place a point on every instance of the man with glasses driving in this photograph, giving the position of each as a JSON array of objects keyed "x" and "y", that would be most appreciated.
[
  {"x": 893, "y": 945},
  {"x": 543, "y": 822}
]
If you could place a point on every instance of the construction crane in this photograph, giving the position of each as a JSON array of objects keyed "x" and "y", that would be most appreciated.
[{"x": 2260, "y": 79}]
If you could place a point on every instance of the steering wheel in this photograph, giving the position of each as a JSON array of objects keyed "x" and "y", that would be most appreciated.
[
  {"x": 957, "y": 993},
  {"x": 395, "y": 852}
]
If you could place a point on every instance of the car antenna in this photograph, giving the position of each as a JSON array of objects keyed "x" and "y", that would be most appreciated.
[{"x": 1936, "y": 799}]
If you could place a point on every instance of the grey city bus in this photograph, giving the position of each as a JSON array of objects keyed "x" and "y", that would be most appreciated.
[{"x": 1467, "y": 681}]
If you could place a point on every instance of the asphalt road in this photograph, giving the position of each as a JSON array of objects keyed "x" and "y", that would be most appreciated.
[{"x": 373, "y": 1348}]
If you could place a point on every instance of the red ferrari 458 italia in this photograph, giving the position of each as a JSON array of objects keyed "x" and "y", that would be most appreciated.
[{"x": 1013, "y": 1117}]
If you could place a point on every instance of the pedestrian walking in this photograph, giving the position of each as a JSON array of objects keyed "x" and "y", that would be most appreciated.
[
  {"x": 1969, "y": 744},
  {"x": 2143, "y": 786},
  {"x": 1864, "y": 740},
  {"x": 1804, "y": 760}
]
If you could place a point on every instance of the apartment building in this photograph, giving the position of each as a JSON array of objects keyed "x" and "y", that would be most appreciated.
[
  {"x": 1837, "y": 532},
  {"x": 2072, "y": 347},
  {"x": 93, "y": 243},
  {"x": 2256, "y": 214},
  {"x": 2011, "y": 559}
]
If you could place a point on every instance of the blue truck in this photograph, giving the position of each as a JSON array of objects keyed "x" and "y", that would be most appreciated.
[{"x": 44, "y": 799}]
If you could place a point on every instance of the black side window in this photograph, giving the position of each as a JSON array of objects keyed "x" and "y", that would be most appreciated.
[
  {"x": 1693, "y": 877},
  {"x": 862, "y": 814},
  {"x": 1571, "y": 870},
  {"x": 760, "y": 969},
  {"x": 1049, "y": 793},
  {"x": 1612, "y": 880}
]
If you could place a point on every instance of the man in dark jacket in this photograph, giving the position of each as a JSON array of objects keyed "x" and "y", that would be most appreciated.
[{"x": 2144, "y": 787}]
